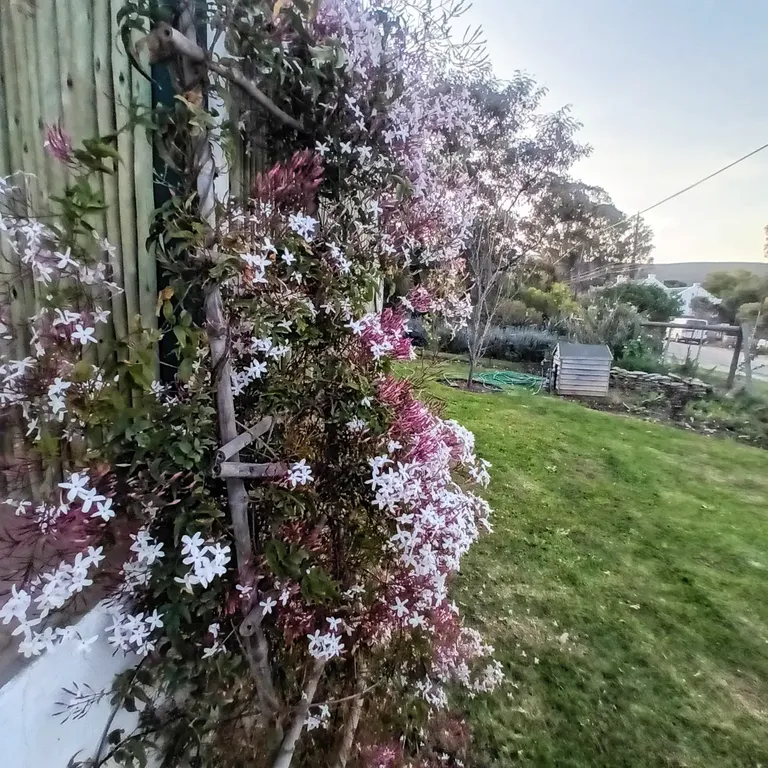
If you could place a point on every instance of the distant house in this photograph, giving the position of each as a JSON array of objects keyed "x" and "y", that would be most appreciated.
[
  {"x": 686, "y": 294},
  {"x": 653, "y": 280},
  {"x": 691, "y": 292}
]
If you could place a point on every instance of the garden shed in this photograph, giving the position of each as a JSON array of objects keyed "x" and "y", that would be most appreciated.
[{"x": 581, "y": 369}]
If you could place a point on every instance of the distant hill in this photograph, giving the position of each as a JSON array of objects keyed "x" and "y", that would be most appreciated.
[{"x": 690, "y": 272}]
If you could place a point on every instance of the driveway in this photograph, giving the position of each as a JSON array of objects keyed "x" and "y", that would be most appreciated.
[{"x": 718, "y": 358}]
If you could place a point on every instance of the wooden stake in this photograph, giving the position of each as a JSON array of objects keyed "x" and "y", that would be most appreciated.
[{"x": 233, "y": 469}]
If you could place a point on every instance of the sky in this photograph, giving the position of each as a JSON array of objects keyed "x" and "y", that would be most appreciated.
[{"x": 668, "y": 91}]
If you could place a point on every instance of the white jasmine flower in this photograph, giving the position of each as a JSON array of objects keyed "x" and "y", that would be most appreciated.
[
  {"x": 84, "y": 335},
  {"x": 267, "y": 605},
  {"x": 300, "y": 473}
]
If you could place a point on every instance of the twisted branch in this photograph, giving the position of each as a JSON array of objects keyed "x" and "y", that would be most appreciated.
[{"x": 165, "y": 42}]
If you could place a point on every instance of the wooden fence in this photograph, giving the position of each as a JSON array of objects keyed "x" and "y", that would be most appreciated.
[{"x": 61, "y": 61}]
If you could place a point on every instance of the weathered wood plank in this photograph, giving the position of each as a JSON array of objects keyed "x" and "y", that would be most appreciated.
[
  {"x": 20, "y": 132},
  {"x": 141, "y": 94},
  {"x": 105, "y": 120},
  {"x": 121, "y": 85},
  {"x": 49, "y": 88},
  {"x": 35, "y": 120}
]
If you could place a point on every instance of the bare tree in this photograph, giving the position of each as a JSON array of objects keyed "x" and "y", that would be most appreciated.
[{"x": 489, "y": 257}]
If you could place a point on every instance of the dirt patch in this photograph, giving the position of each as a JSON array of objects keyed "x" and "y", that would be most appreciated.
[
  {"x": 538, "y": 634},
  {"x": 748, "y": 695}
]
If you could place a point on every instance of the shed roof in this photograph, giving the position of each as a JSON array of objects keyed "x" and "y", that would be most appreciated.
[{"x": 596, "y": 351}]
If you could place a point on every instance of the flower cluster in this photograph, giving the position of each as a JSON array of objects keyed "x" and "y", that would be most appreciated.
[
  {"x": 318, "y": 717},
  {"x": 206, "y": 560},
  {"x": 131, "y": 633},
  {"x": 325, "y": 646},
  {"x": 49, "y": 591},
  {"x": 300, "y": 473},
  {"x": 384, "y": 335}
]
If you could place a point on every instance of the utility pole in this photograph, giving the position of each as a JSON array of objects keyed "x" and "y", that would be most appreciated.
[{"x": 633, "y": 269}]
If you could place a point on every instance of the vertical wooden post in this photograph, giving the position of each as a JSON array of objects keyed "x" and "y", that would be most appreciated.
[
  {"x": 735, "y": 360},
  {"x": 103, "y": 47},
  {"x": 121, "y": 84},
  {"x": 141, "y": 93},
  {"x": 48, "y": 58}
]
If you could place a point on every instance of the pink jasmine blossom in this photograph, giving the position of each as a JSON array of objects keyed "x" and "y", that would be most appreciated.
[
  {"x": 382, "y": 756},
  {"x": 101, "y": 315},
  {"x": 65, "y": 260},
  {"x": 75, "y": 486},
  {"x": 131, "y": 633},
  {"x": 245, "y": 591},
  {"x": 384, "y": 335},
  {"x": 84, "y": 646},
  {"x": 419, "y": 300},
  {"x": 302, "y": 225},
  {"x": 326, "y": 646},
  {"x": 58, "y": 143},
  {"x": 207, "y": 561},
  {"x": 213, "y": 650}
]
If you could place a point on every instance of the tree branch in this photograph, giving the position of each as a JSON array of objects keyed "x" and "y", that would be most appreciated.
[
  {"x": 165, "y": 41},
  {"x": 288, "y": 745},
  {"x": 353, "y": 717}
]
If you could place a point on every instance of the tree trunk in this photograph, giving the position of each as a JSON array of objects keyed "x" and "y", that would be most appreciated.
[
  {"x": 288, "y": 747},
  {"x": 471, "y": 373},
  {"x": 353, "y": 718}
]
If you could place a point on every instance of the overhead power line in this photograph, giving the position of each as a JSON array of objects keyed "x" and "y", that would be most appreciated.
[
  {"x": 670, "y": 197},
  {"x": 688, "y": 188}
]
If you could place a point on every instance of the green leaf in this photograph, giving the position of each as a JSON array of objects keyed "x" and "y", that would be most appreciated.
[
  {"x": 185, "y": 369},
  {"x": 317, "y": 585},
  {"x": 101, "y": 149},
  {"x": 186, "y": 615},
  {"x": 82, "y": 371},
  {"x": 181, "y": 334},
  {"x": 139, "y": 376},
  {"x": 115, "y": 736}
]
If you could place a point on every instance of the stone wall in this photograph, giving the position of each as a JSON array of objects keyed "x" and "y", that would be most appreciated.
[{"x": 669, "y": 384}]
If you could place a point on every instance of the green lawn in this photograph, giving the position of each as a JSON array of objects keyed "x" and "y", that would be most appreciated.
[{"x": 625, "y": 589}]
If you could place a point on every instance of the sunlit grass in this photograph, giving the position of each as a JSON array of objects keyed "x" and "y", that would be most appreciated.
[{"x": 625, "y": 588}]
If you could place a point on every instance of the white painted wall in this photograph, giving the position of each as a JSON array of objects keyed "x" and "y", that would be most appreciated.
[
  {"x": 695, "y": 291},
  {"x": 653, "y": 280},
  {"x": 31, "y": 736}
]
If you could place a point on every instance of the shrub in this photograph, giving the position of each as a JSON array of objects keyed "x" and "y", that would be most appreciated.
[
  {"x": 642, "y": 354},
  {"x": 517, "y": 343},
  {"x": 603, "y": 322},
  {"x": 528, "y": 344},
  {"x": 512, "y": 312},
  {"x": 652, "y": 300}
]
